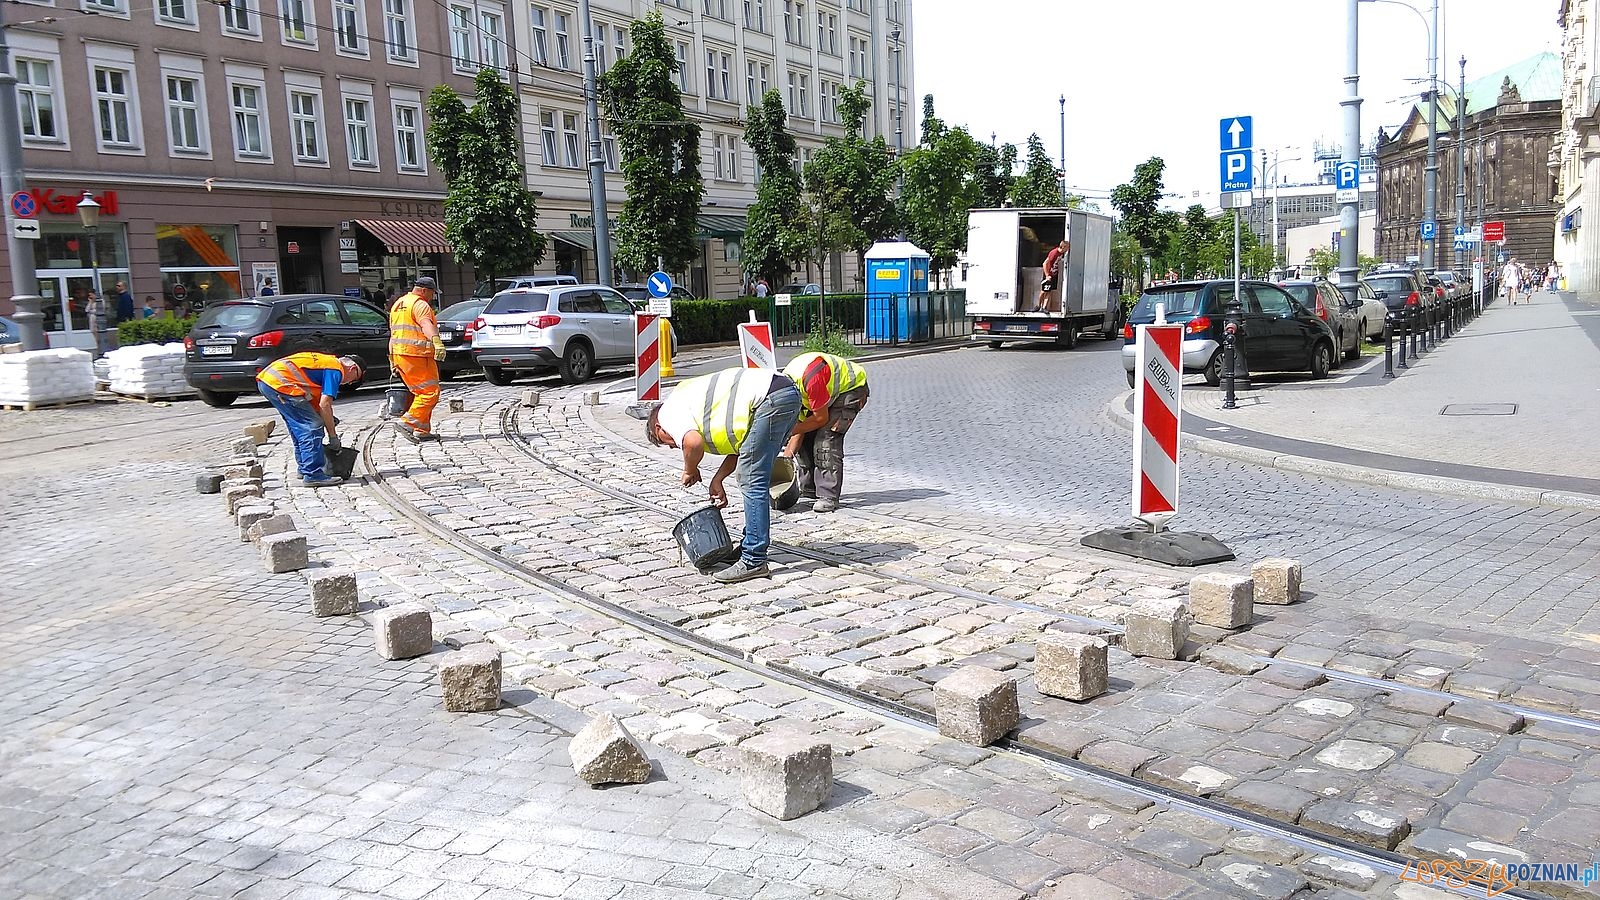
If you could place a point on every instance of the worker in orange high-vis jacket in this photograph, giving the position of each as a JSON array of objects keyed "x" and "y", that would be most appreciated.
[
  {"x": 301, "y": 387},
  {"x": 415, "y": 351}
]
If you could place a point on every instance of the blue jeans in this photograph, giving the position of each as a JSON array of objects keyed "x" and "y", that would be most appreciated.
[
  {"x": 770, "y": 425},
  {"x": 305, "y": 431}
]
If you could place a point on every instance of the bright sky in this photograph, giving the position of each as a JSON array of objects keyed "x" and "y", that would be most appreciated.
[{"x": 1149, "y": 78}]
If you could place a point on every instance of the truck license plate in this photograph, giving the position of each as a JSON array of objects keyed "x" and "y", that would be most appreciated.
[
  {"x": 216, "y": 350},
  {"x": 1017, "y": 328}
]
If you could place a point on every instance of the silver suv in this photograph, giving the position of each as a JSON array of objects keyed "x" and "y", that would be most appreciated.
[{"x": 574, "y": 329}]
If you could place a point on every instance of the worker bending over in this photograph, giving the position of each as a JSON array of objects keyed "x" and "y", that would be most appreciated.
[
  {"x": 415, "y": 351},
  {"x": 744, "y": 415},
  {"x": 302, "y": 387},
  {"x": 832, "y": 391}
]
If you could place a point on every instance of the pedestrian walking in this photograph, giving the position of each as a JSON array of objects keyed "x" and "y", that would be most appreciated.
[
  {"x": 833, "y": 391},
  {"x": 761, "y": 288},
  {"x": 745, "y": 415},
  {"x": 302, "y": 388},
  {"x": 415, "y": 351},
  {"x": 124, "y": 298},
  {"x": 1511, "y": 280},
  {"x": 1552, "y": 276}
]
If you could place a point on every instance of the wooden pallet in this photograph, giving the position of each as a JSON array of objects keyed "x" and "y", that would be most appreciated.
[
  {"x": 153, "y": 398},
  {"x": 47, "y": 404}
]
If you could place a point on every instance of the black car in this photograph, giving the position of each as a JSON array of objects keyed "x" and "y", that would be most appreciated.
[
  {"x": 1281, "y": 334},
  {"x": 455, "y": 329},
  {"x": 1397, "y": 288},
  {"x": 233, "y": 341},
  {"x": 1322, "y": 298}
]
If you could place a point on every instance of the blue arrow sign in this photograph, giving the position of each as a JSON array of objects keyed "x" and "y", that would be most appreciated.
[
  {"x": 1237, "y": 133},
  {"x": 1430, "y": 230},
  {"x": 659, "y": 285},
  {"x": 1347, "y": 177}
]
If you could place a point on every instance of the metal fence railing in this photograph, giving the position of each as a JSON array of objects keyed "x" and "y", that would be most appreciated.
[{"x": 881, "y": 319}]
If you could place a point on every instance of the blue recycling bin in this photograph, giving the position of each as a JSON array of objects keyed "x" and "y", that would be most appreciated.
[{"x": 897, "y": 292}]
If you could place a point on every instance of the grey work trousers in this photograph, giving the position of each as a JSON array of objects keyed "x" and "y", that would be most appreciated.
[{"x": 819, "y": 463}]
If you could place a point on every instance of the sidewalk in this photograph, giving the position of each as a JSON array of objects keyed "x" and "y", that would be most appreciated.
[{"x": 1509, "y": 405}]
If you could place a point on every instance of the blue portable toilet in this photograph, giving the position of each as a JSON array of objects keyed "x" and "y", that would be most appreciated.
[{"x": 897, "y": 292}]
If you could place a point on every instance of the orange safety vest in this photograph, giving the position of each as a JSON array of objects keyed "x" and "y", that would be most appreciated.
[
  {"x": 288, "y": 377},
  {"x": 405, "y": 335}
]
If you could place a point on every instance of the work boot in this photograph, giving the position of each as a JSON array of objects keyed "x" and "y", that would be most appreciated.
[
  {"x": 825, "y": 506},
  {"x": 407, "y": 432},
  {"x": 326, "y": 481},
  {"x": 742, "y": 571}
]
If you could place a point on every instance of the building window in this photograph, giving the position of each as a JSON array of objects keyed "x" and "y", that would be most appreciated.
[
  {"x": 755, "y": 14},
  {"x": 619, "y": 45},
  {"x": 726, "y": 157},
  {"x": 540, "y": 48},
  {"x": 717, "y": 9},
  {"x": 600, "y": 34},
  {"x": 305, "y": 126},
  {"x": 563, "y": 42},
  {"x": 493, "y": 29},
  {"x": 113, "y": 6},
  {"x": 296, "y": 18},
  {"x": 609, "y": 143},
  {"x": 858, "y": 57},
  {"x": 185, "y": 132},
  {"x": 894, "y": 10},
  {"x": 113, "y": 102},
  {"x": 249, "y": 130},
  {"x": 547, "y": 134},
  {"x": 794, "y": 22},
  {"x": 799, "y": 88},
  {"x": 350, "y": 27},
  {"x": 408, "y": 136},
  {"x": 397, "y": 29},
  {"x": 358, "y": 132},
  {"x": 683, "y": 67},
  {"x": 719, "y": 76},
  {"x": 36, "y": 99},
  {"x": 202, "y": 258},
  {"x": 175, "y": 12},
  {"x": 569, "y": 137},
  {"x": 829, "y": 91},
  {"x": 827, "y": 33},
  {"x": 461, "y": 38},
  {"x": 239, "y": 16}
]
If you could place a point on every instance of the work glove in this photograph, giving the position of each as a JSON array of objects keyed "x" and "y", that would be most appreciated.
[
  {"x": 333, "y": 443},
  {"x": 438, "y": 348}
]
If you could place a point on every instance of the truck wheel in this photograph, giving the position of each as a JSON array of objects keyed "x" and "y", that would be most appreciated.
[
  {"x": 1069, "y": 335},
  {"x": 996, "y": 345}
]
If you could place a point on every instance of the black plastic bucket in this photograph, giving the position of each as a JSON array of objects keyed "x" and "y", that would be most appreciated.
[
  {"x": 340, "y": 462},
  {"x": 703, "y": 538},
  {"x": 396, "y": 401}
]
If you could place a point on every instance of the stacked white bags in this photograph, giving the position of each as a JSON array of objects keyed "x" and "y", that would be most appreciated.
[
  {"x": 149, "y": 370},
  {"x": 46, "y": 376}
]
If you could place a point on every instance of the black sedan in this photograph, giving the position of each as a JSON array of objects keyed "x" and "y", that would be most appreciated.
[
  {"x": 455, "y": 329},
  {"x": 234, "y": 341}
]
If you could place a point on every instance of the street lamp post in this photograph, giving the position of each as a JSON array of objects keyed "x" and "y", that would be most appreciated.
[
  {"x": 1350, "y": 152},
  {"x": 1430, "y": 177},
  {"x": 597, "y": 159},
  {"x": 1460, "y": 136},
  {"x": 89, "y": 215},
  {"x": 1063, "y": 149},
  {"x": 1271, "y": 173}
]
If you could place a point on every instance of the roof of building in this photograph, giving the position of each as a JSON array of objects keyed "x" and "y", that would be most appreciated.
[{"x": 1537, "y": 79}]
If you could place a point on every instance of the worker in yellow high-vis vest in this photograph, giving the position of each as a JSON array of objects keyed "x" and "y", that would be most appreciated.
[
  {"x": 745, "y": 415},
  {"x": 301, "y": 387},
  {"x": 832, "y": 391},
  {"x": 415, "y": 351}
]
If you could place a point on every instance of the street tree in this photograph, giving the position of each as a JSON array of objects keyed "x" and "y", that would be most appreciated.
[
  {"x": 1040, "y": 183},
  {"x": 995, "y": 172},
  {"x": 775, "y": 234},
  {"x": 1138, "y": 203},
  {"x": 850, "y": 180},
  {"x": 660, "y": 147},
  {"x": 490, "y": 216},
  {"x": 940, "y": 186}
]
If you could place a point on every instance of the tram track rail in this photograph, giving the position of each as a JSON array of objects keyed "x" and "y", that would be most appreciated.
[{"x": 571, "y": 595}]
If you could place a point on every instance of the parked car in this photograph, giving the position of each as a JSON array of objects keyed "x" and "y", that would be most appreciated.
[
  {"x": 1324, "y": 300},
  {"x": 485, "y": 290},
  {"x": 1454, "y": 284},
  {"x": 455, "y": 330},
  {"x": 574, "y": 329},
  {"x": 10, "y": 331},
  {"x": 1371, "y": 311},
  {"x": 640, "y": 294},
  {"x": 1282, "y": 335},
  {"x": 1397, "y": 289},
  {"x": 798, "y": 288},
  {"x": 233, "y": 341}
]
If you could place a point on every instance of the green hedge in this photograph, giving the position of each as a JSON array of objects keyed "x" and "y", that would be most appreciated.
[
  {"x": 153, "y": 331},
  {"x": 714, "y": 321}
]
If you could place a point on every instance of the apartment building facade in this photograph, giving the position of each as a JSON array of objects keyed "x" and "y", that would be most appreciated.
[
  {"x": 730, "y": 52},
  {"x": 1576, "y": 160}
]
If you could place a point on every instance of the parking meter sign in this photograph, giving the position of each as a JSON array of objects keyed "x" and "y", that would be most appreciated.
[{"x": 1158, "y": 414}]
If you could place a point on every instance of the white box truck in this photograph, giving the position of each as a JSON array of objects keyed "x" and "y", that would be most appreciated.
[{"x": 1006, "y": 251}]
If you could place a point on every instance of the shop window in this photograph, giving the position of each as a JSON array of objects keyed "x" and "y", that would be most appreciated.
[{"x": 202, "y": 258}]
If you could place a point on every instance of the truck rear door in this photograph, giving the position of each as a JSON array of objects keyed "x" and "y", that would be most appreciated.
[{"x": 992, "y": 276}]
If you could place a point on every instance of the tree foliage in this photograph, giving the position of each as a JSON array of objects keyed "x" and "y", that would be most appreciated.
[
  {"x": 1138, "y": 202},
  {"x": 1040, "y": 183},
  {"x": 941, "y": 185},
  {"x": 849, "y": 181},
  {"x": 660, "y": 149},
  {"x": 775, "y": 233},
  {"x": 490, "y": 217},
  {"x": 994, "y": 169}
]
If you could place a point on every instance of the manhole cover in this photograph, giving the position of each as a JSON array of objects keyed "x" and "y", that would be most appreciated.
[{"x": 1479, "y": 409}]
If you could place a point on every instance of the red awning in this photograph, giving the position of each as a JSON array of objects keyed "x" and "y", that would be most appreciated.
[{"x": 408, "y": 236}]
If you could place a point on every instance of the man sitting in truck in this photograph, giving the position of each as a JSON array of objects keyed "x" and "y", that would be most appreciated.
[{"x": 1052, "y": 275}]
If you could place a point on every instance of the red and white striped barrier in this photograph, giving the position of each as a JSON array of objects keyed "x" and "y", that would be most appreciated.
[
  {"x": 1158, "y": 412},
  {"x": 755, "y": 344},
  {"x": 646, "y": 357}
]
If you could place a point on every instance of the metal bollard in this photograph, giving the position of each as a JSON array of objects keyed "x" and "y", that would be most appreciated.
[
  {"x": 1405, "y": 332},
  {"x": 1388, "y": 348},
  {"x": 1449, "y": 318},
  {"x": 1413, "y": 327}
]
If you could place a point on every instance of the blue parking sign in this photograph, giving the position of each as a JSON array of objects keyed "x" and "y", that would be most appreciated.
[{"x": 1430, "y": 230}]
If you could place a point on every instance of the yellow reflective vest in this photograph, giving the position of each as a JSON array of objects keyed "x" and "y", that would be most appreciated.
[
  {"x": 405, "y": 335},
  {"x": 822, "y": 377},
  {"x": 721, "y": 405}
]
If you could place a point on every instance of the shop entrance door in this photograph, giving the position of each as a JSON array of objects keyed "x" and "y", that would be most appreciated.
[
  {"x": 65, "y": 308},
  {"x": 300, "y": 260}
]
